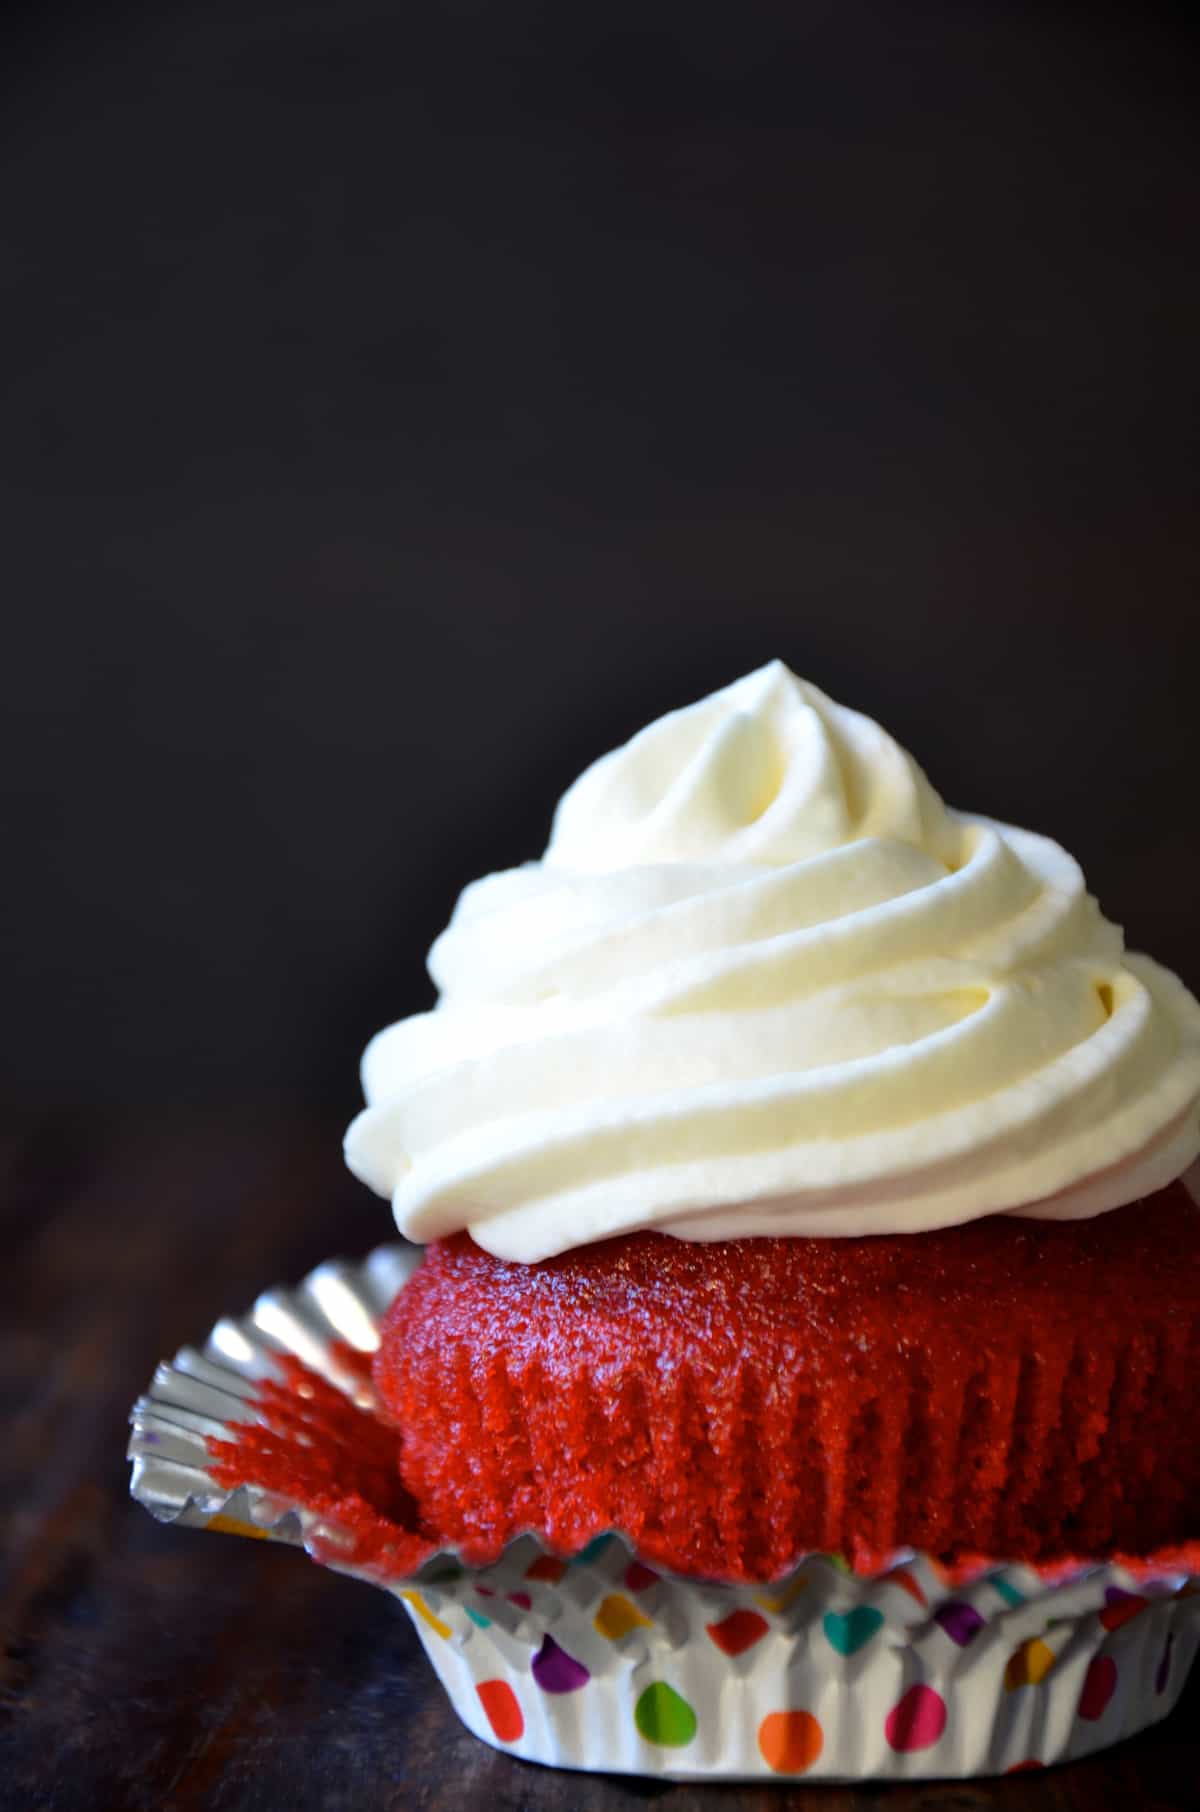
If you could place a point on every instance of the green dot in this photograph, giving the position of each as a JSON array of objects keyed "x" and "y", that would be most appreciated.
[{"x": 663, "y": 1717}]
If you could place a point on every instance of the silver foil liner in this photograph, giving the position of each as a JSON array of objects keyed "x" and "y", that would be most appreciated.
[{"x": 603, "y": 1663}]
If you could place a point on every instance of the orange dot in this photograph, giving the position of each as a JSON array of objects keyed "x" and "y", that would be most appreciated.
[
  {"x": 499, "y": 1701},
  {"x": 903, "y": 1578},
  {"x": 790, "y": 1741}
]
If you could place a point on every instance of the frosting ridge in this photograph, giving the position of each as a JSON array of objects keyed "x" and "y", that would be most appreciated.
[{"x": 763, "y": 981}]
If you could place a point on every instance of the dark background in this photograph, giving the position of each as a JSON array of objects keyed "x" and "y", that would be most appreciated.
[{"x": 403, "y": 404}]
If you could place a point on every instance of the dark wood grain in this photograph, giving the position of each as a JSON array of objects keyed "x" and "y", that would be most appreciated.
[{"x": 146, "y": 1667}]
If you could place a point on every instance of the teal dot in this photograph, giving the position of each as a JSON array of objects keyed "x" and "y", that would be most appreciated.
[
  {"x": 1009, "y": 1593},
  {"x": 485, "y": 1623},
  {"x": 587, "y": 1555},
  {"x": 848, "y": 1631},
  {"x": 663, "y": 1717}
]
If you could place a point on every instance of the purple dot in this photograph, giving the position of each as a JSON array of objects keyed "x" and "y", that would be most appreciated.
[
  {"x": 1164, "y": 1666},
  {"x": 556, "y": 1671},
  {"x": 961, "y": 1622}
]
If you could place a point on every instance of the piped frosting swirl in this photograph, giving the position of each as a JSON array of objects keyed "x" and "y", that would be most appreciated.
[{"x": 764, "y": 982}]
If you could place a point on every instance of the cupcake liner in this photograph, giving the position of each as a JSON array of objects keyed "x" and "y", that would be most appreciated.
[{"x": 607, "y": 1664}]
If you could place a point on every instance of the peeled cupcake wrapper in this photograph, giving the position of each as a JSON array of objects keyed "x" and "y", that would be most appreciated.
[{"x": 606, "y": 1664}]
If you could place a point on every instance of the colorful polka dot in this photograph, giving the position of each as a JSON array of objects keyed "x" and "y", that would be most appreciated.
[
  {"x": 1024, "y": 1767},
  {"x": 233, "y": 1525},
  {"x": 503, "y": 1713},
  {"x": 1121, "y": 1607},
  {"x": 848, "y": 1631},
  {"x": 1164, "y": 1666},
  {"x": 1099, "y": 1685},
  {"x": 908, "y": 1583},
  {"x": 522, "y": 1600},
  {"x": 917, "y": 1720},
  {"x": 664, "y": 1717},
  {"x": 426, "y": 1615},
  {"x": 639, "y": 1578},
  {"x": 1029, "y": 1664},
  {"x": 783, "y": 1599},
  {"x": 548, "y": 1568},
  {"x": 592, "y": 1552},
  {"x": 1005, "y": 1589},
  {"x": 618, "y": 1615},
  {"x": 739, "y": 1631},
  {"x": 960, "y": 1621},
  {"x": 477, "y": 1617},
  {"x": 556, "y": 1671},
  {"x": 790, "y": 1741}
]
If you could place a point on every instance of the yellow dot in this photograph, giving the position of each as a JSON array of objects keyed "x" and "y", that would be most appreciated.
[
  {"x": 784, "y": 1598},
  {"x": 1029, "y": 1664},
  {"x": 423, "y": 1611},
  {"x": 232, "y": 1525},
  {"x": 617, "y": 1616}
]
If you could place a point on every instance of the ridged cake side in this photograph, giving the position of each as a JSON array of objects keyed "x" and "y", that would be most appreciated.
[{"x": 1012, "y": 1388}]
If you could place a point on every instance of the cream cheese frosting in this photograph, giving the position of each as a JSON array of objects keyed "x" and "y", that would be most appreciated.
[{"x": 763, "y": 981}]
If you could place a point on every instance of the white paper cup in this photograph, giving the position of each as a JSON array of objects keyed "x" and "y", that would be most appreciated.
[{"x": 604, "y": 1664}]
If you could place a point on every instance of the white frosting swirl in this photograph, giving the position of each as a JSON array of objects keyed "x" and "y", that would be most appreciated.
[{"x": 764, "y": 982}]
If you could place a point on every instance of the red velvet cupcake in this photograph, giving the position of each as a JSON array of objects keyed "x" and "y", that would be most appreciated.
[
  {"x": 802, "y": 1171},
  {"x": 799, "y": 1160}
]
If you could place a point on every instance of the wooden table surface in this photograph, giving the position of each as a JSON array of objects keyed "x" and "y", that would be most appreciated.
[{"x": 150, "y": 1667}]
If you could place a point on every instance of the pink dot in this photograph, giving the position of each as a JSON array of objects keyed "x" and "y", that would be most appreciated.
[
  {"x": 1098, "y": 1688},
  {"x": 917, "y": 1721}
]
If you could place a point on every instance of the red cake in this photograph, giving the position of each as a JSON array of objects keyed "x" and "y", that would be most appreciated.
[
  {"x": 799, "y": 1161},
  {"x": 1008, "y": 1387}
]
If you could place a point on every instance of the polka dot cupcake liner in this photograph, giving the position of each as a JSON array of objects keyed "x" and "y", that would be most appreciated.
[
  {"x": 603, "y": 1664},
  {"x": 606, "y": 1664}
]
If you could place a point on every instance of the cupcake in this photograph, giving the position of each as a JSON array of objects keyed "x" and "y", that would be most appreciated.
[
  {"x": 799, "y": 1163},
  {"x": 799, "y": 1375}
]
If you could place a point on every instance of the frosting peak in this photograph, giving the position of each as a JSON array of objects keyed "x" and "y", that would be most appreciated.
[
  {"x": 767, "y": 771},
  {"x": 764, "y": 981}
]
